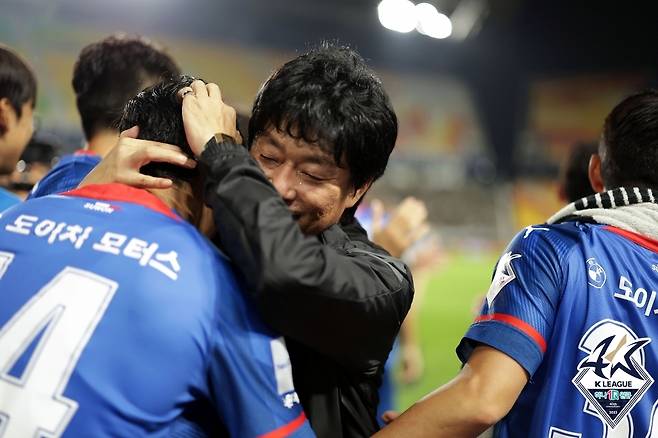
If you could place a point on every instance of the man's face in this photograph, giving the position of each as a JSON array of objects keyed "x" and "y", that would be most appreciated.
[
  {"x": 18, "y": 132},
  {"x": 316, "y": 190}
]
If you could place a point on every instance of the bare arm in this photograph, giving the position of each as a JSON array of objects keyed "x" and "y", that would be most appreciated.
[{"x": 481, "y": 394}]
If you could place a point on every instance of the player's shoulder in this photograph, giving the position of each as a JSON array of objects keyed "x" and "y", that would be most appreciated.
[
  {"x": 550, "y": 244},
  {"x": 66, "y": 174},
  {"x": 563, "y": 235}
]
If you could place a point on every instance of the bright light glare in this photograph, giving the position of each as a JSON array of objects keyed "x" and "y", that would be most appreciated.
[
  {"x": 397, "y": 15},
  {"x": 431, "y": 22}
]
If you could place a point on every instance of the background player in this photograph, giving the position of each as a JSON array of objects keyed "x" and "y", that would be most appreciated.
[
  {"x": 564, "y": 344},
  {"x": 18, "y": 95},
  {"x": 106, "y": 75},
  {"x": 118, "y": 317}
]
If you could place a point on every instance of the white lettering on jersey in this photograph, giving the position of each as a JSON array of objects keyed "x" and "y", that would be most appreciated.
[
  {"x": 66, "y": 310},
  {"x": 59, "y": 233},
  {"x": 5, "y": 260},
  {"x": 640, "y": 297},
  {"x": 102, "y": 207},
  {"x": 504, "y": 274},
  {"x": 283, "y": 372}
]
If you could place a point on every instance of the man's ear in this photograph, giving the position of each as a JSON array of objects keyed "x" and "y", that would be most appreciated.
[
  {"x": 358, "y": 193},
  {"x": 7, "y": 113},
  {"x": 594, "y": 173}
]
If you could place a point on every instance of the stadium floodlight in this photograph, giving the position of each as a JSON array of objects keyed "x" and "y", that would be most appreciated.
[
  {"x": 431, "y": 22},
  {"x": 397, "y": 15}
]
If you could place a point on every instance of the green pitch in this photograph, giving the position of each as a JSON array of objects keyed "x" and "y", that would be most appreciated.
[{"x": 446, "y": 313}]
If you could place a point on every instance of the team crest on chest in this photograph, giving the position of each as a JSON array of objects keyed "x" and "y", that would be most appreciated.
[{"x": 612, "y": 376}]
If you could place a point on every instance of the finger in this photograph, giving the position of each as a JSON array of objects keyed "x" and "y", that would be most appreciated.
[
  {"x": 163, "y": 155},
  {"x": 199, "y": 88},
  {"x": 139, "y": 143},
  {"x": 214, "y": 92},
  {"x": 150, "y": 182},
  {"x": 130, "y": 132},
  {"x": 183, "y": 92},
  {"x": 389, "y": 416}
]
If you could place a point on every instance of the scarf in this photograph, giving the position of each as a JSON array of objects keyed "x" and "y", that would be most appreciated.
[{"x": 628, "y": 208}]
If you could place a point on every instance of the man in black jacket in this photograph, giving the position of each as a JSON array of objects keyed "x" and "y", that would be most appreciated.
[{"x": 321, "y": 132}]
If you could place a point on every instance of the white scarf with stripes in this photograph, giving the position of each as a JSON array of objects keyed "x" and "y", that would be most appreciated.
[{"x": 631, "y": 209}]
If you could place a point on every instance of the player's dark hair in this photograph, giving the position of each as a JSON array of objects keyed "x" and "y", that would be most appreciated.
[
  {"x": 111, "y": 71},
  {"x": 329, "y": 96},
  {"x": 157, "y": 112},
  {"x": 629, "y": 147},
  {"x": 574, "y": 178},
  {"x": 18, "y": 83}
]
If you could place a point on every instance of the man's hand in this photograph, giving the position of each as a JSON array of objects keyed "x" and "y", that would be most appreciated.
[
  {"x": 205, "y": 114},
  {"x": 407, "y": 225},
  {"x": 123, "y": 162}
]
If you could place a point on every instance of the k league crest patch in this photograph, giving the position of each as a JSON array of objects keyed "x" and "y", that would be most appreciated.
[{"x": 612, "y": 376}]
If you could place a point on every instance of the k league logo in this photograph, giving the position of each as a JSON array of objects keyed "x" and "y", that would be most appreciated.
[
  {"x": 612, "y": 377},
  {"x": 595, "y": 273}
]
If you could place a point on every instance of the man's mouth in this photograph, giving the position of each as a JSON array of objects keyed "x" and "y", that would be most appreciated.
[{"x": 296, "y": 216}]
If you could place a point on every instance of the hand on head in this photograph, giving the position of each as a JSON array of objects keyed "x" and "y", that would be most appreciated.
[
  {"x": 123, "y": 162},
  {"x": 204, "y": 115}
]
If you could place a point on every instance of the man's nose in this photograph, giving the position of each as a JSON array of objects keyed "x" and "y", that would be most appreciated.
[{"x": 284, "y": 179}]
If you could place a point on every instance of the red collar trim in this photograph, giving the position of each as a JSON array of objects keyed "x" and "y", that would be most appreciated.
[
  {"x": 641, "y": 240},
  {"x": 84, "y": 152},
  {"x": 123, "y": 193}
]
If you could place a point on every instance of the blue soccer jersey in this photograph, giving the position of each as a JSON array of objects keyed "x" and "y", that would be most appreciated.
[
  {"x": 574, "y": 304},
  {"x": 66, "y": 175},
  {"x": 118, "y": 317},
  {"x": 7, "y": 199}
]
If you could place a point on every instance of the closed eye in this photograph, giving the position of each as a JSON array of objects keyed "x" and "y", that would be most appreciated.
[
  {"x": 267, "y": 160},
  {"x": 313, "y": 178}
]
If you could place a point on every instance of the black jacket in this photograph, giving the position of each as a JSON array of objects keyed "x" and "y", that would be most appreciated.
[{"x": 338, "y": 298}]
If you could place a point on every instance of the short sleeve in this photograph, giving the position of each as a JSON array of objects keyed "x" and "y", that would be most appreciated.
[{"x": 518, "y": 313}]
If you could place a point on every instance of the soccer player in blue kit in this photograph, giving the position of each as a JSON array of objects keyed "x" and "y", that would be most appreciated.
[
  {"x": 106, "y": 75},
  {"x": 18, "y": 93},
  {"x": 565, "y": 342},
  {"x": 118, "y": 317}
]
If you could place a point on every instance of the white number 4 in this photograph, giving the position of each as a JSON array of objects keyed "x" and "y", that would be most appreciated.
[{"x": 67, "y": 310}]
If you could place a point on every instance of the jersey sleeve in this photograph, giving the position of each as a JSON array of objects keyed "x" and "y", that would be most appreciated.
[
  {"x": 250, "y": 372},
  {"x": 65, "y": 176},
  {"x": 518, "y": 313}
]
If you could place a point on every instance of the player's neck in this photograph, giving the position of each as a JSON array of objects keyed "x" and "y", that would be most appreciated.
[
  {"x": 181, "y": 198},
  {"x": 102, "y": 142}
]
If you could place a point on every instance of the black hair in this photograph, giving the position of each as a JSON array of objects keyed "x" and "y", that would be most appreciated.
[
  {"x": 40, "y": 151},
  {"x": 157, "y": 112},
  {"x": 574, "y": 178},
  {"x": 329, "y": 97},
  {"x": 17, "y": 80},
  {"x": 111, "y": 71},
  {"x": 629, "y": 146}
]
